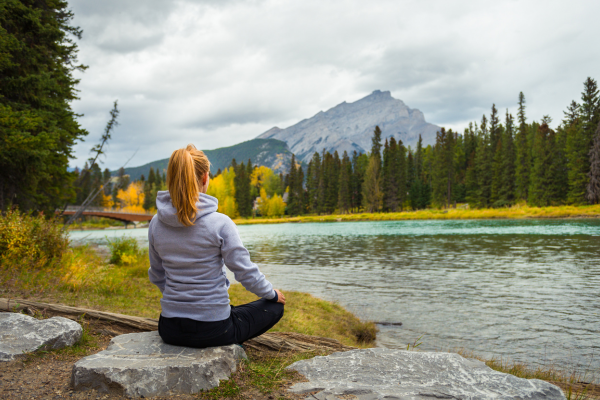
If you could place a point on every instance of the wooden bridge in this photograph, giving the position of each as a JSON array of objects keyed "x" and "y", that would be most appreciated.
[{"x": 119, "y": 215}]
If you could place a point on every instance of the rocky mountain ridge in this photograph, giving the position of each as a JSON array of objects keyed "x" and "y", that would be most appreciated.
[{"x": 349, "y": 127}]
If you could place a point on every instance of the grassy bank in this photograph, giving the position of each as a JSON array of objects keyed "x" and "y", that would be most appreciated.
[
  {"x": 120, "y": 284},
  {"x": 515, "y": 212}
]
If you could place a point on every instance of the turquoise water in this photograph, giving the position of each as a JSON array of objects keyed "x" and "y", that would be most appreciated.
[{"x": 526, "y": 290}]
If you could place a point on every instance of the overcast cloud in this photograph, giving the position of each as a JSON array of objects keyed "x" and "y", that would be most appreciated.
[{"x": 216, "y": 73}]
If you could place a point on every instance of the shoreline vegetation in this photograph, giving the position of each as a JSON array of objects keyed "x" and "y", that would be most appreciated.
[
  {"x": 38, "y": 263},
  {"x": 460, "y": 213},
  {"x": 515, "y": 212}
]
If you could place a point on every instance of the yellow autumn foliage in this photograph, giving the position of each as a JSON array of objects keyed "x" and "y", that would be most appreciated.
[
  {"x": 260, "y": 175},
  {"x": 270, "y": 207},
  {"x": 132, "y": 198},
  {"x": 223, "y": 188}
]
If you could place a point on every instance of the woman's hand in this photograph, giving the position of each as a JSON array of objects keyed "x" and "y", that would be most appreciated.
[{"x": 280, "y": 297}]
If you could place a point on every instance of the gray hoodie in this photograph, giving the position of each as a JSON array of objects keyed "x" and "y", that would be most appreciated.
[{"x": 187, "y": 263}]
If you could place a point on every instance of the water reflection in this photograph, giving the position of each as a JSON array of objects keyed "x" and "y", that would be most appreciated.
[{"x": 527, "y": 290}]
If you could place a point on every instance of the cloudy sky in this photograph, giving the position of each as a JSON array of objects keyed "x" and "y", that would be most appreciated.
[{"x": 219, "y": 72}]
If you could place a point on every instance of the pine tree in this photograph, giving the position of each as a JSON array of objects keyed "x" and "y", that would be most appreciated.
[
  {"x": 471, "y": 186},
  {"x": 523, "y": 160},
  {"x": 443, "y": 168},
  {"x": 388, "y": 176},
  {"x": 371, "y": 191},
  {"x": 400, "y": 171},
  {"x": 322, "y": 188},
  {"x": 376, "y": 144},
  {"x": 312, "y": 182},
  {"x": 344, "y": 197},
  {"x": 572, "y": 113},
  {"x": 483, "y": 163},
  {"x": 359, "y": 169},
  {"x": 494, "y": 128},
  {"x": 292, "y": 200},
  {"x": 580, "y": 139},
  {"x": 419, "y": 191},
  {"x": 497, "y": 171},
  {"x": 299, "y": 191},
  {"x": 411, "y": 180},
  {"x": 590, "y": 108},
  {"x": 333, "y": 177},
  {"x": 507, "y": 189},
  {"x": 105, "y": 177},
  {"x": 540, "y": 186},
  {"x": 593, "y": 188}
]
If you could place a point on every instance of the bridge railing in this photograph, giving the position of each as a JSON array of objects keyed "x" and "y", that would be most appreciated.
[{"x": 104, "y": 210}]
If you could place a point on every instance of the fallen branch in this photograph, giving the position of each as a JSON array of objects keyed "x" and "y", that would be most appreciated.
[{"x": 270, "y": 341}]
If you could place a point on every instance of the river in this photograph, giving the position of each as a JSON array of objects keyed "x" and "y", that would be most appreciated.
[{"x": 522, "y": 290}]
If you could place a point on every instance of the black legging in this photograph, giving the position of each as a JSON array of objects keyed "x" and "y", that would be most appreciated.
[{"x": 245, "y": 322}]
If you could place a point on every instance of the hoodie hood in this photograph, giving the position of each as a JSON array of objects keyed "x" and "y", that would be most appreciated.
[{"x": 167, "y": 214}]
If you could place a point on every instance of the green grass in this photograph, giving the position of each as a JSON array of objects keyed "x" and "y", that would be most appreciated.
[{"x": 265, "y": 374}]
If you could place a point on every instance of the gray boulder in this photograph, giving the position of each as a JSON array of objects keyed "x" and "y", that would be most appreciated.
[
  {"x": 399, "y": 374},
  {"x": 141, "y": 364},
  {"x": 21, "y": 334}
]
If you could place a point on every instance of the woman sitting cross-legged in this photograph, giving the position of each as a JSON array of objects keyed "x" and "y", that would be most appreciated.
[{"x": 190, "y": 245}]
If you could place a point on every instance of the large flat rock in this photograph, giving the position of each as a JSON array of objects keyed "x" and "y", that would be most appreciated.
[
  {"x": 21, "y": 334},
  {"x": 141, "y": 364},
  {"x": 399, "y": 374}
]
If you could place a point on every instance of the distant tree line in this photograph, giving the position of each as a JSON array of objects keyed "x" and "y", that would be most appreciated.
[{"x": 493, "y": 163}]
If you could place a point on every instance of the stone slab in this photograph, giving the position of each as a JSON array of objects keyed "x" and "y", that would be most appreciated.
[
  {"x": 142, "y": 365},
  {"x": 21, "y": 334},
  {"x": 379, "y": 373}
]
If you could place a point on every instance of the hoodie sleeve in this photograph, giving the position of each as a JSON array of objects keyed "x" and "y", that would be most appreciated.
[
  {"x": 156, "y": 272},
  {"x": 237, "y": 259}
]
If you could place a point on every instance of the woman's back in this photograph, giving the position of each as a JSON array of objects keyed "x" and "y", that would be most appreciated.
[
  {"x": 194, "y": 283},
  {"x": 190, "y": 244}
]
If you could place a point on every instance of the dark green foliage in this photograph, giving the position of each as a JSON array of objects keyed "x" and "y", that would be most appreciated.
[
  {"x": 105, "y": 178},
  {"x": 542, "y": 186},
  {"x": 593, "y": 189},
  {"x": 242, "y": 188},
  {"x": 313, "y": 174},
  {"x": 376, "y": 144},
  {"x": 372, "y": 194},
  {"x": 149, "y": 191},
  {"x": 483, "y": 165},
  {"x": 389, "y": 177},
  {"x": 522, "y": 157},
  {"x": 39, "y": 128},
  {"x": 359, "y": 169},
  {"x": 344, "y": 198},
  {"x": 420, "y": 189},
  {"x": 443, "y": 168},
  {"x": 400, "y": 171},
  {"x": 580, "y": 124},
  {"x": 506, "y": 191}
]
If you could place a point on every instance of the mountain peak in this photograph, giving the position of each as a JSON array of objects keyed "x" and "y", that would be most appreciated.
[{"x": 349, "y": 126}]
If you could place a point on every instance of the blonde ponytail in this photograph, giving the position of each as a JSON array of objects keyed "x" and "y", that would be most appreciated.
[{"x": 186, "y": 169}]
